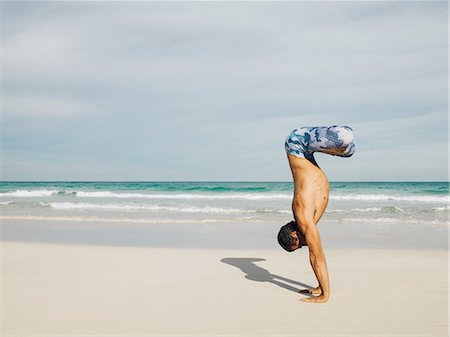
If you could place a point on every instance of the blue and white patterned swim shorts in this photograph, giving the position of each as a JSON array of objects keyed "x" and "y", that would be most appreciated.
[{"x": 335, "y": 140}]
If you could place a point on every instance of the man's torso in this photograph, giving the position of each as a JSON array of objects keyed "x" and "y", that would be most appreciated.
[{"x": 310, "y": 183}]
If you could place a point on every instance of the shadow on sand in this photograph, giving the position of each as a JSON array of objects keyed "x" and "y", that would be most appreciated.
[{"x": 256, "y": 273}]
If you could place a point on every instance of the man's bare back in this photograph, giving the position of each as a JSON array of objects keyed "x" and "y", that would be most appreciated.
[{"x": 311, "y": 183}]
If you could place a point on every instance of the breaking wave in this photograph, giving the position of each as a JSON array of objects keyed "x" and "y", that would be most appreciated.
[{"x": 219, "y": 196}]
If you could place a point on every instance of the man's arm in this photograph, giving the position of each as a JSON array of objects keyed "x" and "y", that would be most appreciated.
[{"x": 304, "y": 217}]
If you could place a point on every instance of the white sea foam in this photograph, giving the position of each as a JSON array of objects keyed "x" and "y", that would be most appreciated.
[
  {"x": 109, "y": 194},
  {"x": 247, "y": 196},
  {"x": 132, "y": 207},
  {"x": 29, "y": 193},
  {"x": 120, "y": 220},
  {"x": 379, "y": 220},
  {"x": 386, "y": 220},
  {"x": 261, "y": 196},
  {"x": 387, "y": 209},
  {"x": 445, "y": 208},
  {"x": 220, "y": 196},
  {"x": 384, "y": 197},
  {"x": 147, "y": 207},
  {"x": 369, "y": 209}
]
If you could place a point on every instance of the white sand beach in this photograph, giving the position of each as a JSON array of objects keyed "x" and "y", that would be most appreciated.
[
  {"x": 56, "y": 289},
  {"x": 150, "y": 151}
]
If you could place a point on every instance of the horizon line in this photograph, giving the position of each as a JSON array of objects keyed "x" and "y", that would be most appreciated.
[{"x": 216, "y": 181}]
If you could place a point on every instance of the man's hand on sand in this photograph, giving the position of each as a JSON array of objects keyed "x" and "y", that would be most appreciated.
[
  {"x": 315, "y": 299},
  {"x": 314, "y": 291}
]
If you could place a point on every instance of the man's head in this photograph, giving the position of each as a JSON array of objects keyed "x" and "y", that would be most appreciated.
[{"x": 290, "y": 237}]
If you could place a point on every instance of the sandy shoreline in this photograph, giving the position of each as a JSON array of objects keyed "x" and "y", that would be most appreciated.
[
  {"x": 218, "y": 235},
  {"x": 55, "y": 289}
]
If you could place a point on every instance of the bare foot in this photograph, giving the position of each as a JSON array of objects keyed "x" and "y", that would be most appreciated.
[
  {"x": 315, "y": 299},
  {"x": 313, "y": 291}
]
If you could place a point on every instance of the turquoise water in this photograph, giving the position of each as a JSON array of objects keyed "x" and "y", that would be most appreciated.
[
  {"x": 401, "y": 203},
  {"x": 390, "y": 188},
  {"x": 220, "y": 214},
  {"x": 149, "y": 186}
]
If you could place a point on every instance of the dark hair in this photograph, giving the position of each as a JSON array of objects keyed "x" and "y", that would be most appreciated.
[{"x": 284, "y": 236}]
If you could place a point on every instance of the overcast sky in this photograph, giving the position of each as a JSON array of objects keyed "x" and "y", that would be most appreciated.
[{"x": 210, "y": 90}]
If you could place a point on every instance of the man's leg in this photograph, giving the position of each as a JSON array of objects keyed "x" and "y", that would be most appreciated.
[{"x": 335, "y": 140}]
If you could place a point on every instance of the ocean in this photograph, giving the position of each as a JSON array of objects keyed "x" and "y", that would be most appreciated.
[
  {"x": 415, "y": 208},
  {"x": 423, "y": 204}
]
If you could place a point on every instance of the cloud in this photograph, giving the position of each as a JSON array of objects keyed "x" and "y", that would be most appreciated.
[
  {"x": 39, "y": 107},
  {"x": 184, "y": 89}
]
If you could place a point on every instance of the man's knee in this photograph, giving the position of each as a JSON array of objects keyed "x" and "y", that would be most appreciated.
[
  {"x": 342, "y": 135},
  {"x": 344, "y": 138}
]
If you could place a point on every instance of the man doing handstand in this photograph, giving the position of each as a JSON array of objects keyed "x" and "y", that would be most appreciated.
[{"x": 311, "y": 189}]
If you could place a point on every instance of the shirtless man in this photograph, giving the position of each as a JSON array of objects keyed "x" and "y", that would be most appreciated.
[{"x": 311, "y": 189}]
